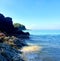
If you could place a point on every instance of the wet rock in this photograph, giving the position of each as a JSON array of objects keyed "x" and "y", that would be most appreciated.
[
  {"x": 19, "y": 43},
  {"x": 9, "y": 54},
  {"x": 2, "y": 58}
]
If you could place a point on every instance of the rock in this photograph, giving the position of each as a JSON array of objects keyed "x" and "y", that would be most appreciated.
[
  {"x": 6, "y": 24},
  {"x": 19, "y": 43},
  {"x": 2, "y": 18},
  {"x": 1, "y": 41},
  {"x": 9, "y": 24},
  {"x": 9, "y": 54},
  {"x": 21, "y": 34},
  {"x": 2, "y": 58},
  {"x": 11, "y": 40},
  {"x": 2, "y": 35}
]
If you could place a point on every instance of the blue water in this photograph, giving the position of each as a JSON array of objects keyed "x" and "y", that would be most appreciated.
[
  {"x": 50, "y": 42},
  {"x": 44, "y": 32}
]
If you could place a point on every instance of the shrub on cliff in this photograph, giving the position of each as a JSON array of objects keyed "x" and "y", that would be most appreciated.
[{"x": 19, "y": 26}]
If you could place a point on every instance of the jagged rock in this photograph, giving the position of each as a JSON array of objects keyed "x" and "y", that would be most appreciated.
[
  {"x": 21, "y": 34},
  {"x": 9, "y": 24},
  {"x": 6, "y": 24},
  {"x": 2, "y": 58},
  {"x": 19, "y": 43},
  {"x": 9, "y": 54},
  {"x": 10, "y": 40}
]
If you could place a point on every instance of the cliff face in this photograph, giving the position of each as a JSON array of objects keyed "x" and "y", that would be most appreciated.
[
  {"x": 11, "y": 40},
  {"x": 6, "y": 25},
  {"x": 9, "y": 48}
]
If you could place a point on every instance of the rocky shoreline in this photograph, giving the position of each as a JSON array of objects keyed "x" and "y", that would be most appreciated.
[{"x": 11, "y": 40}]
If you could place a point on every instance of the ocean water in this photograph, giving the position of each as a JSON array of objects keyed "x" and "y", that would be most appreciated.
[{"x": 50, "y": 42}]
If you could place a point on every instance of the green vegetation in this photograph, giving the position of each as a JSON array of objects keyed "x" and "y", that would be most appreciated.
[{"x": 19, "y": 26}]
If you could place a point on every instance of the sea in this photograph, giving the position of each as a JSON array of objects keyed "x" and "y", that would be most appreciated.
[{"x": 49, "y": 40}]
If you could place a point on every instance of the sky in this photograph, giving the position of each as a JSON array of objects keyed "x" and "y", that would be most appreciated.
[{"x": 34, "y": 14}]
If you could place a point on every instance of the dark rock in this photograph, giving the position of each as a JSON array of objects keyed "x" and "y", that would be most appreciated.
[
  {"x": 9, "y": 24},
  {"x": 2, "y": 58},
  {"x": 2, "y": 18},
  {"x": 20, "y": 43},
  {"x": 21, "y": 34},
  {"x": 6, "y": 24},
  {"x": 1, "y": 41},
  {"x": 9, "y": 54}
]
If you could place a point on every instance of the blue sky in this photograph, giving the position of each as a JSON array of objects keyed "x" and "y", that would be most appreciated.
[{"x": 34, "y": 14}]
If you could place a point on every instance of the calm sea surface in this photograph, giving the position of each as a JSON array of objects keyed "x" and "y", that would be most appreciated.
[{"x": 50, "y": 42}]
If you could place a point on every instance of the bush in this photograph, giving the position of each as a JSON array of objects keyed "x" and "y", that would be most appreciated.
[{"x": 19, "y": 26}]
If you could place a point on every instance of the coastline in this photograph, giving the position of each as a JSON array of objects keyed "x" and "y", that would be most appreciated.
[
  {"x": 31, "y": 52},
  {"x": 11, "y": 40},
  {"x": 31, "y": 48}
]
